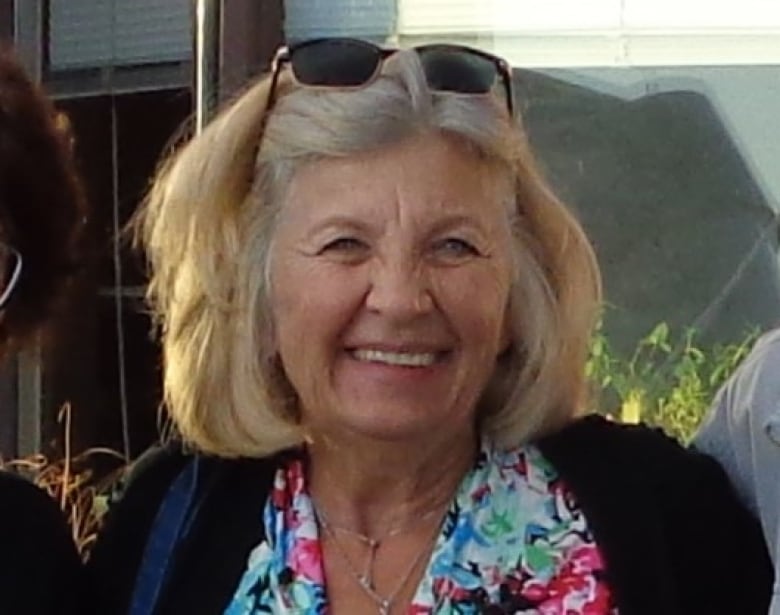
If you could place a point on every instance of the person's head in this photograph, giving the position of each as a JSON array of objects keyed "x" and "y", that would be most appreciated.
[
  {"x": 386, "y": 258},
  {"x": 41, "y": 206}
]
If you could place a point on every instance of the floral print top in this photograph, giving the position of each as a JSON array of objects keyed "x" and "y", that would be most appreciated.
[{"x": 514, "y": 540}]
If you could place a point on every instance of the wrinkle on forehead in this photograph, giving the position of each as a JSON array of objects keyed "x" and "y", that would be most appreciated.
[{"x": 402, "y": 174}]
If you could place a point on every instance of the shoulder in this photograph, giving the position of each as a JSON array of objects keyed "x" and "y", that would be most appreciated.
[
  {"x": 760, "y": 370},
  {"x": 766, "y": 347},
  {"x": 593, "y": 452},
  {"x": 141, "y": 488},
  {"x": 119, "y": 546},
  {"x": 755, "y": 383},
  {"x": 31, "y": 524},
  {"x": 22, "y": 504},
  {"x": 16, "y": 493},
  {"x": 144, "y": 483},
  {"x": 116, "y": 557},
  {"x": 742, "y": 426},
  {"x": 643, "y": 492},
  {"x": 601, "y": 439},
  {"x": 149, "y": 477},
  {"x": 154, "y": 469}
]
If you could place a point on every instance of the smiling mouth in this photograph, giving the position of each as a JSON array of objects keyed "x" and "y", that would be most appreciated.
[{"x": 404, "y": 359}]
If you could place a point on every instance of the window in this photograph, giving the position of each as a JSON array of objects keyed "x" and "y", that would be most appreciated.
[{"x": 89, "y": 33}]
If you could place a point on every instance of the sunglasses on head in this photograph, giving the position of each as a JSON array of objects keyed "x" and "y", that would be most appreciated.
[
  {"x": 11, "y": 269},
  {"x": 353, "y": 63}
]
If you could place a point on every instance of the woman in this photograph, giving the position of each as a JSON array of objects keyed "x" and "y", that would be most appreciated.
[
  {"x": 375, "y": 319},
  {"x": 742, "y": 431},
  {"x": 41, "y": 214}
]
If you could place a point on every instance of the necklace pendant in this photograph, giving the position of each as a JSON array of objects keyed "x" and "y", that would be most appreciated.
[
  {"x": 365, "y": 582},
  {"x": 384, "y": 607}
]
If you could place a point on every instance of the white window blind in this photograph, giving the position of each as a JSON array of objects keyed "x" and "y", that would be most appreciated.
[
  {"x": 369, "y": 19},
  {"x": 95, "y": 33},
  {"x": 603, "y": 32}
]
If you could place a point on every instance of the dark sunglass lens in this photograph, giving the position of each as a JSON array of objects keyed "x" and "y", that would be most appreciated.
[
  {"x": 457, "y": 70},
  {"x": 335, "y": 63}
]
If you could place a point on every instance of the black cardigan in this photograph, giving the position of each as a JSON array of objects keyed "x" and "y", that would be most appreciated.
[
  {"x": 39, "y": 565},
  {"x": 674, "y": 538}
]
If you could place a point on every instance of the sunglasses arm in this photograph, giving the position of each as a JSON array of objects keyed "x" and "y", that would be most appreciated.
[{"x": 281, "y": 57}]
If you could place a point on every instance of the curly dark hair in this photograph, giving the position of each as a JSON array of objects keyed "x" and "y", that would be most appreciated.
[{"x": 42, "y": 204}]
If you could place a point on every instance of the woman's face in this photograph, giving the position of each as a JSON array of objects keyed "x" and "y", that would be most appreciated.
[{"x": 390, "y": 280}]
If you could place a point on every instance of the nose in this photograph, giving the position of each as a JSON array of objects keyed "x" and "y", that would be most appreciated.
[{"x": 399, "y": 290}]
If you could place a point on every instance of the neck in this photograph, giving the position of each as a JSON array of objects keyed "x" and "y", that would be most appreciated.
[{"x": 372, "y": 486}]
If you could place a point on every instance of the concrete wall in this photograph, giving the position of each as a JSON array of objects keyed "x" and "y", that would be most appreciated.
[{"x": 674, "y": 173}]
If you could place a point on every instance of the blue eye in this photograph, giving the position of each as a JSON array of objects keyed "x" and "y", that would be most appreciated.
[
  {"x": 343, "y": 245},
  {"x": 456, "y": 247}
]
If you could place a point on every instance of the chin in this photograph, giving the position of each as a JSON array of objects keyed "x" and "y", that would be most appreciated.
[{"x": 382, "y": 429}]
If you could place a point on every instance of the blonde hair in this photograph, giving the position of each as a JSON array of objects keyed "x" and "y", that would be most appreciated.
[{"x": 208, "y": 225}]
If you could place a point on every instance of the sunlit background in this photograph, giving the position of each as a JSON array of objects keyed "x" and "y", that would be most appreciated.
[{"x": 656, "y": 120}]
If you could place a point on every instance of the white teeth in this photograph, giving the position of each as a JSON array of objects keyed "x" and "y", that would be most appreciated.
[{"x": 407, "y": 359}]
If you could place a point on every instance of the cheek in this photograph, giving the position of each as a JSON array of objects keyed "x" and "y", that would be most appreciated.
[
  {"x": 287, "y": 300},
  {"x": 311, "y": 305},
  {"x": 477, "y": 305}
]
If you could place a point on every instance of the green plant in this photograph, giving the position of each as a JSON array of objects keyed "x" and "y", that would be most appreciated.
[{"x": 667, "y": 381}]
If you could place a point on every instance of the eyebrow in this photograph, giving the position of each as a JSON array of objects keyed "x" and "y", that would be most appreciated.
[
  {"x": 336, "y": 221},
  {"x": 458, "y": 220},
  {"x": 353, "y": 223}
]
